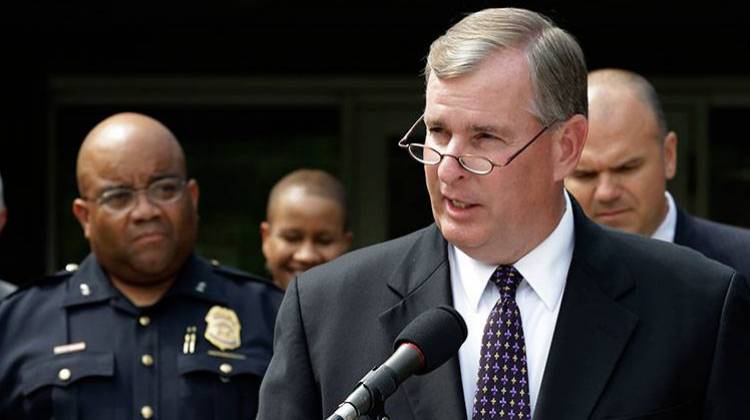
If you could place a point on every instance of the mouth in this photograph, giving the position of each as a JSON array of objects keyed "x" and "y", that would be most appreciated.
[
  {"x": 457, "y": 204},
  {"x": 610, "y": 214},
  {"x": 459, "y": 210},
  {"x": 149, "y": 237}
]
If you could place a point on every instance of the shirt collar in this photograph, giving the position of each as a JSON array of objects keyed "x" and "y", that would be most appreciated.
[
  {"x": 90, "y": 283},
  {"x": 474, "y": 274},
  {"x": 197, "y": 279},
  {"x": 666, "y": 229},
  {"x": 545, "y": 267}
]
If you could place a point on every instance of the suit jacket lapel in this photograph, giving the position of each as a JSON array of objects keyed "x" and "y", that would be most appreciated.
[
  {"x": 592, "y": 328},
  {"x": 422, "y": 281}
]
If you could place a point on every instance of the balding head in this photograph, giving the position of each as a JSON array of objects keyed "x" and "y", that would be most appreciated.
[
  {"x": 120, "y": 134},
  {"x": 305, "y": 225},
  {"x": 611, "y": 89},
  {"x": 311, "y": 182},
  {"x": 137, "y": 209},
  {"x": 629, "y": 154}
]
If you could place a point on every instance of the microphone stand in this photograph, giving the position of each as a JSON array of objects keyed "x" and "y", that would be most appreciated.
[
  {"x": 378, "y": 411},
  {"x": 372, "y": 385}
]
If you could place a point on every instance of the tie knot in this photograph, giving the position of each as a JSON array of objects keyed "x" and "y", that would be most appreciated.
[{"x": 507, "y": 279}]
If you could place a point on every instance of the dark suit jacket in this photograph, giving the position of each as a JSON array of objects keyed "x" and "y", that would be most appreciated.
[
  {"x": 647, "y": 330},
  {"x": 727, "y": 244}
]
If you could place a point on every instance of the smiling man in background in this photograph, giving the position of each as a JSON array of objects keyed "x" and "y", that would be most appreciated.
[{"x": 306, "y": 224}]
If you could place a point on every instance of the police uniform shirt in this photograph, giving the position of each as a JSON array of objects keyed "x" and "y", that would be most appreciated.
[{"x": 73, "y": 347}]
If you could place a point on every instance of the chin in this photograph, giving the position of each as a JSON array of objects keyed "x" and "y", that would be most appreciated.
[
  {"x": 283, "y": 280},
  {"x": 463, "y": 237},
  {"x": 620, "y": 225},
  {"x": 153, "y": 264},
  {"x": 283, "y": 283}
]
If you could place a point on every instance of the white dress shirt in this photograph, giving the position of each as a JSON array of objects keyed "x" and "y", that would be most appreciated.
[
  {"x": 545, "y": 270},
  {"x": 666, "y": 229}
]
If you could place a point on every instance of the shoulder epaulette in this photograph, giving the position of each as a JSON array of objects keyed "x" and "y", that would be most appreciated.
[
  {"x": 68, "y": 271},
  {"x": 49, "y": 279}
]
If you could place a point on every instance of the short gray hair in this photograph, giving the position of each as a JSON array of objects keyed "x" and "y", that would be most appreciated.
[{"x": 558, "y": 67}]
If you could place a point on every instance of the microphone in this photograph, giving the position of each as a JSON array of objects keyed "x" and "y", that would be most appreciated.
[{"x": 422, "y": 346}]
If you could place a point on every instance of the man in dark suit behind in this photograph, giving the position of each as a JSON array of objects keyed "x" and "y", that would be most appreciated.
[
  {"x": 630, "y": 155},
  {"x": 611, "y": 325}
]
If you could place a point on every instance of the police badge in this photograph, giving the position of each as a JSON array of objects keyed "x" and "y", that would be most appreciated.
[{"x": 223, "y": 328}]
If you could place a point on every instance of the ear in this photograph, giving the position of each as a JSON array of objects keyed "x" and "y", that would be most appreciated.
[
  {"x": 82, "y": 212},
  {"x": 265, "y": 230},
  {"x": 670, "y": 155},
  {"x": 348, "y": 237},
  {"x": 569, "y": 147},
  {"x": 194, "y": 192},
  {"x": 265, "y": 244}
]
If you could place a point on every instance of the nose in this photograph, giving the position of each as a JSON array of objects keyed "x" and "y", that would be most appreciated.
[
  {"x": 449, "y": 169},
  {"x": 608, "y": 188},
  {"x": 308, "y": 254},
  {"x": 143, "y": 208}
]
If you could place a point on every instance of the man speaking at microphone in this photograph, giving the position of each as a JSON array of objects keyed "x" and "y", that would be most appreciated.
[{"x": 566, "y": 319}]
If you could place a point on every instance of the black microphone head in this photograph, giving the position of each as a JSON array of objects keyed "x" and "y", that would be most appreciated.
[{"x": 438, "y": 333}]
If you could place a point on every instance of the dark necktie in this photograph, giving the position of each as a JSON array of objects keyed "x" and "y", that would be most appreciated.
[{"x": 503, "y": 384}]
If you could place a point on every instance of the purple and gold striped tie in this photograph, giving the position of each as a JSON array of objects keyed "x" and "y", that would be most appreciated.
[{"x": 503, "y": 384}]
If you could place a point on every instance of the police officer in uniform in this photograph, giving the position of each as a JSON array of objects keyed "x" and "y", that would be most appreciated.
[{"x": 144, "y": 328}]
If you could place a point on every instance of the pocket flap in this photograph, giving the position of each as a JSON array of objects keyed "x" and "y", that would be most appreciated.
[
  {"x": 228, "y": 367},
  {"x": 66, "y": 369}
]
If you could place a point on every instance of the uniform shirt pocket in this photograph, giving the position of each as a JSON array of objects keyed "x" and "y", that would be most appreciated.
[
  {"x": 53, "y": 385},
  {"x": 219, "y": 388}
]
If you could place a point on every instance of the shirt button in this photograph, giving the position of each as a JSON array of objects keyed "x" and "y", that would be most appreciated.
[
  {"x": 147, "y": 412},
  {"x": 226, "y": 368},
  {"x": 144, "y": 321},
  {"x": 64, "y": 374},
  {"x": 147, "y": 360}
]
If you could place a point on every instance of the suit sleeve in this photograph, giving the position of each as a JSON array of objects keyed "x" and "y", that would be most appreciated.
[
  {"x": 729, "y": 387},
  {"x": 289, "y": 390}
]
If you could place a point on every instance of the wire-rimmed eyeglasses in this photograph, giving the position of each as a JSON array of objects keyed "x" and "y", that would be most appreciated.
[
  {"x": 475, "y": 164},
  {"x": 122, "y": 198}
]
